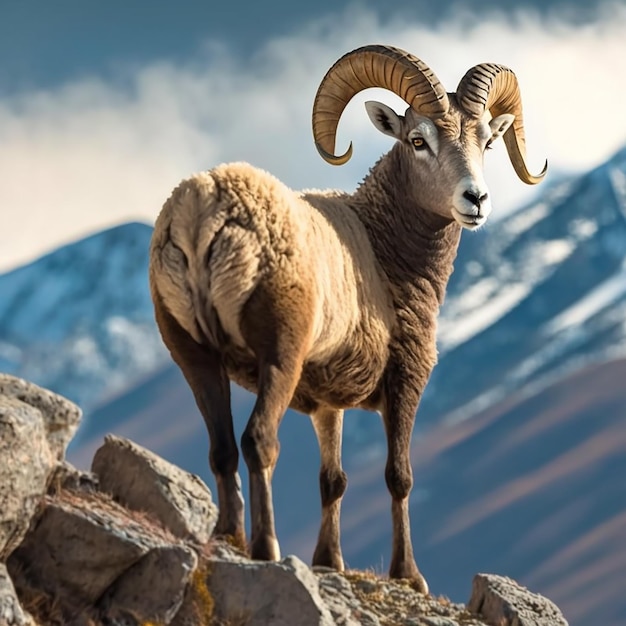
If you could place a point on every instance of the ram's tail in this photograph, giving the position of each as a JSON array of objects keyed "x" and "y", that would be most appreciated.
[{"x": 203, "y": 263}]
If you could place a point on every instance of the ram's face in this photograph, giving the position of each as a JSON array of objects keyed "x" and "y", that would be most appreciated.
[
  {"x": 442, "y": 136},
  {"x": 445, "y": 157}
]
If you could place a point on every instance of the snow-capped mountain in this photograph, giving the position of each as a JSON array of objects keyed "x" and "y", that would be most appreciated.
[{"x": 80, "y": 320}]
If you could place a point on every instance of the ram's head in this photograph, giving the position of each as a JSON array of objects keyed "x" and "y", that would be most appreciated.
[{"x": 443, "y": 135}]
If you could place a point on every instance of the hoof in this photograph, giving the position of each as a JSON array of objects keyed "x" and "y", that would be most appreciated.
[
  {"x": 325, "y": 557},
  {"x": 230, "y": 530},
  {"x": 419, "y": 584},
  {"x": 409, "y": 571},
  {"x": 265, "y": 548}
]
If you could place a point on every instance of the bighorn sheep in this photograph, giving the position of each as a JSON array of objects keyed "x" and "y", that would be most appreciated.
[{"x": 323, "y": 301}]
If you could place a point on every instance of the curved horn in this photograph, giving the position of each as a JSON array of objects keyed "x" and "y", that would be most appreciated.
[
  {"x": 372, "y": 66},
  {"x": 492, "y": 87}
]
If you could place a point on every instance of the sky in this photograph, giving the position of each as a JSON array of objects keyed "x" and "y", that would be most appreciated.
[{"x": 106, "y": 106}]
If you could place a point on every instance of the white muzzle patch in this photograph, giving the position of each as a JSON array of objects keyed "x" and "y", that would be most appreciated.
[{"x": 471, "y": 204}]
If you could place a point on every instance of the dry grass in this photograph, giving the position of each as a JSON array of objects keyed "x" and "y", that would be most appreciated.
[
  {"x": 99, "y": 502},
  {"x": 395, "y": 601},
  {"x": 199, "y": 606},
  {"x": 200, "y": 597}
]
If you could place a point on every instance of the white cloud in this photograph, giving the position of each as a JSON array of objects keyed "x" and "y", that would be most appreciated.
[{"x": 91, "y": 154}]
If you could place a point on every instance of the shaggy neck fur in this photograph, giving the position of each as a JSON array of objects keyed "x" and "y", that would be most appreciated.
[{"x": 414, "y": 246}]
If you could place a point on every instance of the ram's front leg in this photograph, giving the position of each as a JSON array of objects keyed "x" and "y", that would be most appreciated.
[{"x": 399, "y": 415}]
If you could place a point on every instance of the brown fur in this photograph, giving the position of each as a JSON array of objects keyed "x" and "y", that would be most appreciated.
[{"x": 321, "y": 301}]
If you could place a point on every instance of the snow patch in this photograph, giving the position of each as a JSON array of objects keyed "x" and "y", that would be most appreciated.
[
  {"x": 523, "y": 220},
  {"x": 490, "y": 298},
  {"x": 605, "y": 294},
  {"x": 618, "y": 182},
  {"x": 136, "y": 342},
  {"x": 476, "y": 405},
  {"x": 583, "y": 228},
  {"x": 464, "y": 326},
  {"x": 552, "y": 252}
]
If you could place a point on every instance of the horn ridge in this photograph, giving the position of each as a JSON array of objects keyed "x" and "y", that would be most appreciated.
[
  {"x": 494, "y": 88},
  {"x": 374, "y": 65}
]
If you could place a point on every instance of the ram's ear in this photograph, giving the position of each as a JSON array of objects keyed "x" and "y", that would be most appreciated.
[
  {"x": 385, "y": 119},
  {"x": 499, "y": 125}
]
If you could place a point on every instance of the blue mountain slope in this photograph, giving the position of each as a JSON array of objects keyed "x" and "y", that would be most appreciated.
[{"x": 79, "y": 320}]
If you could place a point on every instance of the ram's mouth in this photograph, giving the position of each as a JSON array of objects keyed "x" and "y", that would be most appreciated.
[{"x": 471, "y": 222}]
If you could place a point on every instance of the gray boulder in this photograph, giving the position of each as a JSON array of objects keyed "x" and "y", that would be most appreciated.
[
  {"x": 26, "y": 464},
  {"x": 67, "y": 477},
  {"x": 143, "y": 481},
  {"x": 36, "y": 426},
  {"x": 260, "y": 593},
  {"x": 83, "y": 547},
  {"x": 503, "y": 602},
  {"x": 60, "y": 416},
  {"x": 339, "y": 597},
  {"x": 154, "y": 587}
]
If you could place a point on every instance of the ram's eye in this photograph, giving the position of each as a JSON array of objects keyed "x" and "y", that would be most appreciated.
[
  {"x": 419, "y": 143},
  {"x": 488, "y": 146}
]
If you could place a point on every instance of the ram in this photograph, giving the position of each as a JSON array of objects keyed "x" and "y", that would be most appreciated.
[{"x": 323, "y": 301}]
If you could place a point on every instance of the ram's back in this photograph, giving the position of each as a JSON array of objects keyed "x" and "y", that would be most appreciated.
[{"x": 223, "y": 232}]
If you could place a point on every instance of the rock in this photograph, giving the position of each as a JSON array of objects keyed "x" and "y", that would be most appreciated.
[
  {"x": 66, "y": 476},
  {"x": 438, "y": 621},
  {"x": 503, "y": 602},
  {"x": 11, "y": 613},
  {"x": 60, "y": 416},
  {"x": 346, "y": 610},
  {"x": 154, "y": 587},
  {"x": 261, "y": 593},
  {"x": 35, "y": 427},
  {"x": 141, "y": 480},
  {"x": 81, "y": 545},
  {"x": 26, "y": 464}
]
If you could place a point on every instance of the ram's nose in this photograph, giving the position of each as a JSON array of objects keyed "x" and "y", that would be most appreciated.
[
  {"x": 476, "y": 197},
  {"x": 472, "y": 204}
]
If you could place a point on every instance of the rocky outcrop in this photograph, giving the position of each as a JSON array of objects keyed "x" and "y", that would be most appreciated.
[
  {"x": 501, "y": 600},
  {"x": 35, "y": 428},
  {"x": 142, "y": 481},
  {"x": 58, "y": 416},
  {"x": 130, "y": 544}
]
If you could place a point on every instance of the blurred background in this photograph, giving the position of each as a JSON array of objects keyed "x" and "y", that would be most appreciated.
[{"x": 519, "y": 452}]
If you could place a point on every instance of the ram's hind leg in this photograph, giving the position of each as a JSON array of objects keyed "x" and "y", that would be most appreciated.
[
  {"x": 276, "y": 325},
  {"x": 328, "y": 425},
  {"x": 207, "y": 378}
]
